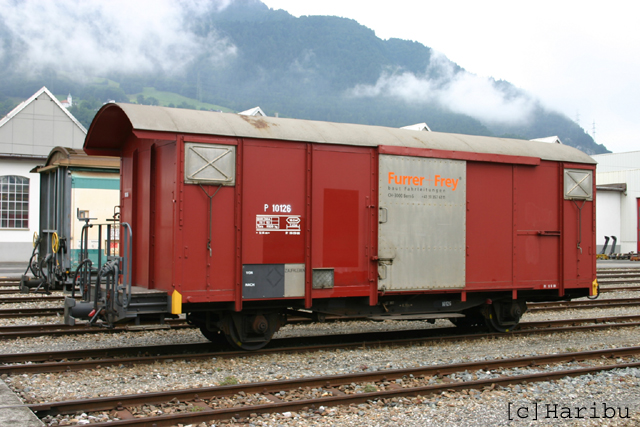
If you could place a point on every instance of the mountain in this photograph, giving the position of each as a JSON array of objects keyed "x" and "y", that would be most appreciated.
[{"x": 311, "y": 67}]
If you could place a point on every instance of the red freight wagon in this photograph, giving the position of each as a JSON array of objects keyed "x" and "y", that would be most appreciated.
[{"x": 239, "y": 221}]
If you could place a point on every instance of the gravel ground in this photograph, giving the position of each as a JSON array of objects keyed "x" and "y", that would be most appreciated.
[{"x": 618, "y": 389}]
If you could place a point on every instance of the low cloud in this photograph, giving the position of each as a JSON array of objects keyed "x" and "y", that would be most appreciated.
[
  {"x": 460, "y": 92},
  {"x": 82, "y": 37}
]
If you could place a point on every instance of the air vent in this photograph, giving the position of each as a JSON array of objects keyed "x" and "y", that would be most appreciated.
[
  {"x": 209, "y": 164},
  {"x": 578, "y": 184},
  {"x": 322, "y": 278}
]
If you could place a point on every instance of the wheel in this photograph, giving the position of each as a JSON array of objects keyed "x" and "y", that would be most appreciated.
[
  {"x": 216, "y": 337},
  {"x": 504, "y": 317},
  {"x": 496, "y": 325},
  {"x": 471, "y": 320},
  {"x": 250, "y": 332}
]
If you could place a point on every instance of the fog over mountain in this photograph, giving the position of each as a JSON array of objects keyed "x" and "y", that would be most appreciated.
[
  {"x": 240, "y": 53},
  {"x": 87, "y": 38},
  {"x": 458, "y": 91}
]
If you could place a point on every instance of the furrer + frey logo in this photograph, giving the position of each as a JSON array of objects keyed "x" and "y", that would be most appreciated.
[{"x": 420, "y": 181}]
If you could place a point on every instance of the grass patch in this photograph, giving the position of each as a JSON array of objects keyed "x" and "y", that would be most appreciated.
[
  {"x": 370, "y": 388},
  {"x": 166, "y": 98},
  {"x": 230, "y": 380}
]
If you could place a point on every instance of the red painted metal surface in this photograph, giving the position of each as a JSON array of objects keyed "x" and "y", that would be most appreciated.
[
  {"x": 520, "y": 232},
  {"x": 273, "y": 193},
  {"x": 489, "y": 225},
  {"x": 340, "y": 214},
  {"x": 537, "y": 225},
  {"x": 579, "y": 245}
]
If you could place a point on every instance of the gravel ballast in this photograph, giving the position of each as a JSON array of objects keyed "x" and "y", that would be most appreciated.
[{"x": 615, "y": 389}]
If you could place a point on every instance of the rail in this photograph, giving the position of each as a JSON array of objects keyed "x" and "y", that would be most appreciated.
[{"x": 336, "y": 389}]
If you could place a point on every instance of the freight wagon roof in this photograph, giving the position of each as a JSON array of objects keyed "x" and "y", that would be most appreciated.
[
  {"x": 114, "y": 123},
  {"x": 77, "y": 158}
]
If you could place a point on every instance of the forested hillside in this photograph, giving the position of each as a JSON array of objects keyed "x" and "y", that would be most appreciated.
[{"x": 312, "y": 67}]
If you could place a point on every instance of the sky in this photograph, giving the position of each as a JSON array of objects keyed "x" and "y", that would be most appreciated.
[{"x": 577, "y": 57}]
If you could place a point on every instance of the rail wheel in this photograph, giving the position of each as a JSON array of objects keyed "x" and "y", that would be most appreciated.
[
  {"x": 250, "y": 331},
  {"x": 472, "y": 319},
  {"x": 216, "y": 337},
  {"x": 504, "y": 316}
]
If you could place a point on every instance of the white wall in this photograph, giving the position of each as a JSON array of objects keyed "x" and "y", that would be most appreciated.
[
  {"x": 607, "y": 217},
  {"x": 628, "y": 238},
  {"x": 16, "y": 245},
  {"x": 612, "y": 162}
]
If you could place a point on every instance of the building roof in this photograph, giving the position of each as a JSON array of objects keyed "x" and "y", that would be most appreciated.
[
  {"x": 622, "y": 188},
  {"x": 549, "y": 139},
  {"x": 418, "y": 126},
  {"x": 255, "y": 111},
  {"x": 114, "y": 123},
  {"x": 33, "y": 97},
  {"x": 37, "y": 125}
]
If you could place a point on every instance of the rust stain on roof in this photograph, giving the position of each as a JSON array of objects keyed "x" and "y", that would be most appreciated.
[{"x": 256, "y": 123}]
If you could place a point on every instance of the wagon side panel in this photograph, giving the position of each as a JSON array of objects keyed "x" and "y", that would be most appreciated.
[
  {"x": 342, "y": 194},
  {"x": 537, "y": 226},
  {"x": 489, "y": 225},
  {"x": 273, "y": 219},
  {"x": 162, "y": 214},
  {"x": 578, "y": 199},
  {"x": 204, "y": 219}
]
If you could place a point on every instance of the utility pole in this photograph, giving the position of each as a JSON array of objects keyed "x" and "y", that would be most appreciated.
[{"x": 199, "y": 89}]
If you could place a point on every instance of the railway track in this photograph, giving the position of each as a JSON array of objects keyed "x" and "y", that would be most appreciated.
[
  {"x": 8, "y": 332},
  {"x": 618, "y": 282},
  {"x": 29, "y": 312},
  {"x": 543, "y": 306},
  {"x": 52, "y": 362},
  {"x": 607, "y": 289},
  {"x": 59, "y": 329},
  {"x": 28, "y": 298},
  {"x": 9, "y": 284},
  {"x": 240, "y": 401},
  {"x": 62, "y": 361},
  {"x": 580, "y": 304},
  {"x": 561, "y": 305}
]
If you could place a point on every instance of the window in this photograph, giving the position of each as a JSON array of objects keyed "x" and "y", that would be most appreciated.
[
  {"x": 14, "y": 202},
  {"x": 578, "y": 184},
  {"x": 209, "y": 164}
]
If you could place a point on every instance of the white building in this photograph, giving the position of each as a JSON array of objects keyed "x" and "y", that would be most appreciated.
[
  {"x": 549, "y": 139},
  {"x": 27, "y": 135},
  {"x": 618, "y": 200},
  {"x": 255, "y": 111},
  {"x": 418, "y": 126}
]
